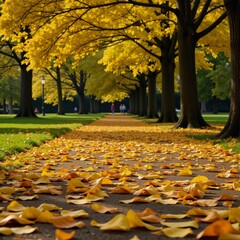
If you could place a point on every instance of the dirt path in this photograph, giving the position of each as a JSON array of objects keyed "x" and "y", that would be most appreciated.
[{"x": 119, "y": 158}]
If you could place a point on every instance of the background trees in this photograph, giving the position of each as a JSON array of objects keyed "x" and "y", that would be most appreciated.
[{"x": 158, "y": 31}]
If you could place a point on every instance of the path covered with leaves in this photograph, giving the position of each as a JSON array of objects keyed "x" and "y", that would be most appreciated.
[{"x": 119, "y": 178}]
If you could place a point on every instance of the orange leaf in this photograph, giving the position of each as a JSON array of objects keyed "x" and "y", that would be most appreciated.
[
  {"x": 61, "y": 235},
  {"x": 216, "y": 229},
  {"x": 66, "y": 222},
  {"x": 103, "y": 209}
]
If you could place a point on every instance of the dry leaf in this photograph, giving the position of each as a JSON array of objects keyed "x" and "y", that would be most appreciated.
[
  {"x": 103, "y": 209},
  {"x": 61, "y": 235},
  {"x": 216, "y": 229},
  {"x": 66, "y": 222},
  {"x": 177, "y": 232},
  {"x": 119, "y": 223}
]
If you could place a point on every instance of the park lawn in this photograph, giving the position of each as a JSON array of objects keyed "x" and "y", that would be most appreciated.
[
  {"x": 215, "y": 121},
  {"x": 20, "y": 134}
]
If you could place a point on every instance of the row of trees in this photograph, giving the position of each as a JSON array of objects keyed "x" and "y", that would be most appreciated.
[{"x": 139, "y": 40}]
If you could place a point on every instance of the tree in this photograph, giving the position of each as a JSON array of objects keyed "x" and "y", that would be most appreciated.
[{"x": 232, "y": 127}]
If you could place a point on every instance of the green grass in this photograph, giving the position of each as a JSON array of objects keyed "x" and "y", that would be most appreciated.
[
  {"x": 20, "y": 134},
  {"x": 213, "y": 120}
]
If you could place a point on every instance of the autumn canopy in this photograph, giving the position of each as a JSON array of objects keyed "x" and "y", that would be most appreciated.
[{"x": 138, "y": 41}]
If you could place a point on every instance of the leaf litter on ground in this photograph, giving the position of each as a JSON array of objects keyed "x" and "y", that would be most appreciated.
[{"x": 143, "y": 164}]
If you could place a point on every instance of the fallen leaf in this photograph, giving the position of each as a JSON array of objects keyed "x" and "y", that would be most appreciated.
[
  {"x": 17, "y": 230},
  {"x": 228, "y": 236},
  {"x": 118, "y": 223},
  {"x": 75, "y": 214},
  {"x": 185, "y": 224},
  {"x": 177, "y": 232},
  {"x": 216, "y": 229},
  {"x": 134, "y": 200},
  {"x": 103, "y": 209},
  {"x": 66, "y": 222},
  {"x": 61, "y": 235}
]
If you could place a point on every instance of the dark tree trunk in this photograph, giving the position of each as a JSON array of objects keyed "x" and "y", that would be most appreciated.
[
  {"x": 137, "y": 101},
  {"x": 26, "y": 101},
  {"x": 93, "y": 105},
  {"x": 232, "y": 127},
  {"x": 10, "y": 105},
  {"x": 131, "y": 102},
  {"x": 96, "y": 105},
  {"x": 168, "y": 108},
  {"x": 59, "y": 91},
  {"x": 142, "y": 95},
  {"x": 82, "y": 104},
  {"x": 4, "y": 106},
  {"x": 215, "y": 105},
  {"x": 152, "y": 95},
  {"x": 190, "y": 116}
]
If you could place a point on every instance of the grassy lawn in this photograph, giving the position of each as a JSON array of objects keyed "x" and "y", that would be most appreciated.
[
  {"x": 213, "y": 120},
  {"x": 19, "y": 134}
]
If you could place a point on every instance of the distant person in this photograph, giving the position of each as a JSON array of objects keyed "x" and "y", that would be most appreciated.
[
  {"x": 113, "y": 108},
  {"x": 75, "y": 109},
  {"x": 36, "y": 110},
  {"x": 123, "y": 108}
]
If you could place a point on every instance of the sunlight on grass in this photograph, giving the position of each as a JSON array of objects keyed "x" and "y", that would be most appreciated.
[{"x": 19, "y": 134}]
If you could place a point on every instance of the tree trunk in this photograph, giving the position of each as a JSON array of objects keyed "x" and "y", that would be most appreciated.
[
  {"x": 142, "y": 95},
  {"x": 232, "y": 127},
  {"x": 131, "y": 102},
  {"x": 59, "y": 90},
  {"x": 168, "y": 108},
  {"x": 190, "y": 115},
  {"x": 82, "y": 104},
  {"x": 215, "y": 105},
  {"x": 152, "y": 98},
  {"x": 4, "y": 106},
  {"x": 96, "y": 105},
  {"x": 26, "y": 101},
  {"x": 203, "y": 107},
  {"x": 10, "y": 105},
  {"x": 93, "y": 105},
  {"x": 136, "y": 101}
]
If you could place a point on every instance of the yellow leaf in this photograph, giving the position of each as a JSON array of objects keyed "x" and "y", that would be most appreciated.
[
  {"x": 234, "y": 214},
  {"x": 119, "y": 223},
  {"x": 31, "y": 213},
  {"x": 228, "y": 236},
  {"x": 167, "y": 201},
  {"x": 177, "y": 232},
  {"x": 61, "y": 235},
  {"x": 103, "y": 209},
  {"x": 135, "y": 237},
  {"x": 193, "y": 224},
  {"x": 135, "y": 221},
  {"x": 121, "y": 189},
  {"x": 27, "y": 198},
  {"x": 49, "y": 207},
  {"x": 7, "y": 190},
  {"x": 173, "y": 216},
  {"x": 211, "y": 217},
  {"x": 15, "y": 218},
  {"x": 75, "y": 214},
  {"x": 88, "y": 199},
  {"x": 149, "y": 215},
  {"x": 17, "y": 230},
  {"x": 199, "y": 179},
  {"x": 14, "y": 206},
  {"x": 185, "y": 172},
  {"x": 45, "y": 217}
]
